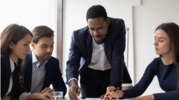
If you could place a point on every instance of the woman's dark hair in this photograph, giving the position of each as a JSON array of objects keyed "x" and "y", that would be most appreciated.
[
  {"x": 13, "y": 33},
  {"x": 172, "y": 31},
  {"x": 96, "y": 11}
]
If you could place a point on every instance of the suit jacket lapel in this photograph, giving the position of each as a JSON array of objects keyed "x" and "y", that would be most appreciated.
[
  {"x": 107, "y": 48},
  {"x": 89, "y": 49},
  {"x": 89, "y": 52},
  {"x": 28, "y": 71},
  {"x": 108, "y": 42}
]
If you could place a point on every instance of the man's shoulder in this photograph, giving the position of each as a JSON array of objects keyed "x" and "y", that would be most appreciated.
[
  {"x": 80, "y": 35},
  {"x": 116, "y": 21},
  {"x": 84, "y": 29},
  {"x": 29, "y": 55},
  {"x": 53, "y": 63},
  {"x": 80, "y": 32},
  {"x": 53, "y": 59}
]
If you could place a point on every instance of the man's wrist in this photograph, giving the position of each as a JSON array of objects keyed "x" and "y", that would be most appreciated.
[{"x": 73, "y": 82}]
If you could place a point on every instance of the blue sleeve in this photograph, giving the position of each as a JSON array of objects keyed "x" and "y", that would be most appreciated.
[
  {"x": 73, "y": 62},
  {"x": 172, "y": 95},
  {"x": 58, "y": 82},
  {"x": 117, "y": 57},
  {"x": 142, "y": 85}
]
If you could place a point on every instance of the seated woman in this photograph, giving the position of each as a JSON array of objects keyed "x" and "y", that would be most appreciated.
[
  {"x": 165, "y": 67},
  {"x": 15, "y": 40}
]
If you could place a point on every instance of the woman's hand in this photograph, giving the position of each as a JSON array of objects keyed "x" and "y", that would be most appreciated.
[
  {"x": 111, "y": 94},
  {"x": 102, "y": 96},
  {"x": 116, "y": 94},
  {"x": 40, "y": 96},
  {"x": 5, "y": 98},
  {"x": 46, "y": 96},
  {"x": 149, "y": 97}
]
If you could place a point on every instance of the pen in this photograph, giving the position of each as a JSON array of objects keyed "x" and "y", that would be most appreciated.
[{"x": 76, "y": 92}]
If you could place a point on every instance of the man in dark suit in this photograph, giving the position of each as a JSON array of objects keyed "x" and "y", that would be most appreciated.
[
  {"x": 97, "y": 54},
  {"x": 40, "y": 68}
]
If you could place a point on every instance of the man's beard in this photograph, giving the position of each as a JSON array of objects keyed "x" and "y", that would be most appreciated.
[
  {"x": 46, "y": 57},
  {"x": 100, "y": 41}
]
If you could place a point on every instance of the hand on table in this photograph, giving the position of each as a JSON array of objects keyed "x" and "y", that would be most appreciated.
[
  {"x": 47, "y": 90},
  {"x": 44, "y": 96},
  {"x": 105, "y": 97},
  {"x": 102, "y": 96},
  {"x": 149, "y": 97},
  {"x": 111, "y": 94}
]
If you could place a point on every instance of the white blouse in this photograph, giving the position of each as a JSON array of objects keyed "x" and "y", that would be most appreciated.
[
  {"x": 23, "y": 95},
  {"x": 11, "y": 78}
]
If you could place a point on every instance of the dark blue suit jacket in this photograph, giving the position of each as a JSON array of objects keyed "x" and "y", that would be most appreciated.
[
  {"x": 53, "y": 75},
  {"x": 114, "y": 44}
]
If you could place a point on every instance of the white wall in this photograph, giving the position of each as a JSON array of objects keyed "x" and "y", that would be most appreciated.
[
  {"x": 29, "y": 13},
  {"x": 141, "y": 16},
  {"x": 146, "y": 18}
]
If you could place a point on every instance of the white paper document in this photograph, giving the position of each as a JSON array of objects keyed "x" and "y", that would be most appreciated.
[{"x": 101, "y": 99}]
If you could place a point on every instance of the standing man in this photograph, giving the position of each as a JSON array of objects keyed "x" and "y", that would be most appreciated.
[
  {"x": 40, "y": 68},
  {"x": 97, "y": 54}
]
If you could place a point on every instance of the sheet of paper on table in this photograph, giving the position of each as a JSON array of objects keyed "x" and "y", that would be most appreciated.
[
  {"x": 101, "y": 99},
  {"x": 92, "y": 99},
  {"x": 96, "y": 99}
]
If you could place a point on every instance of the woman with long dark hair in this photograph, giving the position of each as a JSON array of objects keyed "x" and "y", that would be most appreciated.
[
  {"x": 15, "y": 41},
  {"x": 165, "y": 67}
]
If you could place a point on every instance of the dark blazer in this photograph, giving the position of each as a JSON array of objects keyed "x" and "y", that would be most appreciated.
[
  {"x": 114, "y": 44},
  {"x": 5, "y": 78},
  {"x": 52, "y": 76}
]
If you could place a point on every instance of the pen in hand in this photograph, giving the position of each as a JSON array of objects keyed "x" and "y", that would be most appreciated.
[{"x": 76, "y": 92}]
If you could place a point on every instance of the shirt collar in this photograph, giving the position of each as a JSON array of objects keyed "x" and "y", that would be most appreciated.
[
  {"x": 35, "y": 61},
  {"x": 12, "y": 65}
]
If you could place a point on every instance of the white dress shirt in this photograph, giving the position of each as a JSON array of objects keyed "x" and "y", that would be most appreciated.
[{"x": 98, "y": 59}]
